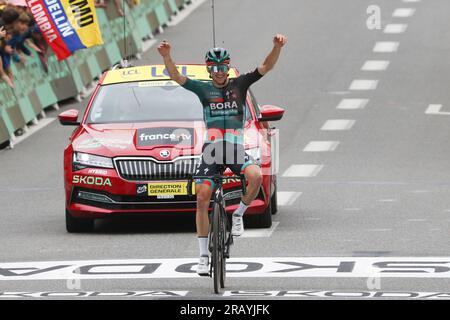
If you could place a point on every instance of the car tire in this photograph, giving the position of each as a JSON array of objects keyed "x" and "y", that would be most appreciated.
[
  {"x": 262, "y": 220},
  {"x": 77, "y": 225},
  {"x": 273, "y": 201}
]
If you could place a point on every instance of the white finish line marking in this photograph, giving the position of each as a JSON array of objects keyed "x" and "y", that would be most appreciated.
[
  {"x": 303, "y": 170},
  {"x": 395, "y": 28},
  {"x": 364, "y": 85},
  {"x": 321, "y": 146},
  {"x": 351, "y": 104},
  {"x": 403, "y": 12},
  {"x": 281, "y": 294},
  {"x": 436, "y": 109},
  {"x": 375, "y": 65},
  {"x": 386, "y": 46},
  {"x": 287, "y": 198},
  {"x": 338, "y": 124},
  {"x": 245, "y": 267}
]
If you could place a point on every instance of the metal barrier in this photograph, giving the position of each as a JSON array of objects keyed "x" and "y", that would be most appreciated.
[{"x": 34, "y": 90}]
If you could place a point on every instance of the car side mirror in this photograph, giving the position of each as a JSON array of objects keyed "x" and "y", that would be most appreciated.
[
  {"x": 69, "y": 118},
  {"x": 271, "y": 113}
]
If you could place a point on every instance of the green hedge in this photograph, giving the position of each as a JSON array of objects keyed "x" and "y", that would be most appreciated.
[{"x": 36, "y": 90}]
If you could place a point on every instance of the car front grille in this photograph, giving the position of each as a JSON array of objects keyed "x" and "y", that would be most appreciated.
[{"x": 138, "y": 169}]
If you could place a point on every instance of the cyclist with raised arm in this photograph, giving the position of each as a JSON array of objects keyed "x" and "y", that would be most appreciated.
[{"x": 224, "y": 109}]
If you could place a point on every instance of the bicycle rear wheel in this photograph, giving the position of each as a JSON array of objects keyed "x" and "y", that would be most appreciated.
[{"x": 216, "y": 248}]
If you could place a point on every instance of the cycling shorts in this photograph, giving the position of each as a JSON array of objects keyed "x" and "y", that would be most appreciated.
[{"x": 223, "y": 153}]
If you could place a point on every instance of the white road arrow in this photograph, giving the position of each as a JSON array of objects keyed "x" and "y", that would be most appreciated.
[{"x": 435, "y": 109}]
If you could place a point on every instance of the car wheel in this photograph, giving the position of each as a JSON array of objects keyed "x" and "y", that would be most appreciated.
[
  {"x": 75, "y": 225},
  {"x": 263, "y": 220},
  {"x": 273, "y": 201}
]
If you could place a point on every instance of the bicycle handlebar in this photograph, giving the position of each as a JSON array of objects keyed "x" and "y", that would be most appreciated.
[{"x": 216, "y": 178}]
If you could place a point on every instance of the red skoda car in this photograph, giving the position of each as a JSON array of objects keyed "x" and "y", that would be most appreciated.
[{"x": 141, "y": 136}]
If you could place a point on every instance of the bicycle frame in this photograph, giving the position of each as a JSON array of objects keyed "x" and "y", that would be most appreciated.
[{"x": 219, "y": 235}]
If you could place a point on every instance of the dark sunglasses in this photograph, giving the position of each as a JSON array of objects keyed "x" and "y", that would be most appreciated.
[{"x": 218, "y": 67}]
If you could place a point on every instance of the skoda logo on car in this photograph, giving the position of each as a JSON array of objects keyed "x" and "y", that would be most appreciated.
[{"x": 164, "y": 153}]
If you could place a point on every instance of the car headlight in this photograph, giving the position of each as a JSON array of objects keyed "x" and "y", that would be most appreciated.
[
  {"x": 254, "y": 152},
  {"x": 83, "y": 160}
]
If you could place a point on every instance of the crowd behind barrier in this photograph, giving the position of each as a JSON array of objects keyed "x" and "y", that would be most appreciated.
[{"x": 32, "y": 79}]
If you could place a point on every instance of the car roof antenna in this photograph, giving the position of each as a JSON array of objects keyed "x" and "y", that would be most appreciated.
[{"x": 124, "y": 61}]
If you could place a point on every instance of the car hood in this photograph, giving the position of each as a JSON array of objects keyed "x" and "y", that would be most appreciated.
[{"x": 160, "y": 140}]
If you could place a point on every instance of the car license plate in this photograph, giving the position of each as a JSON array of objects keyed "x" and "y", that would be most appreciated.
[{"x": 169, "y": 189}]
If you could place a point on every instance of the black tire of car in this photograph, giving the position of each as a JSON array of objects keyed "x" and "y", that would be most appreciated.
[
  {"x": 77, "y": 225},
  {"x": 262, "y": 220},
  {"x": 273, "y": 201}
]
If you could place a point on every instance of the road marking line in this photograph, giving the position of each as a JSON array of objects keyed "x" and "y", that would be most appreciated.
[
  {"x": 321, "y": 146},
  {"x": 352, "y": 209},
  {"x": 411, "y": 1},
  {"x": 276, "y": 294},
  {"x": 338, "y": 124},
  {"x": 375, "y": 65},
  {"x": 363, "y": 85},
  {"x": 403, "y": 12},
  {"x": 340, "y": 93},
  {"x": 435, "y": 109},
  {"x": 259, "y": 233},
  {"x": 417, "y": 220},
  {"x": 97, "y": 294},
  {"x": 352, "y": 104},
  {"x": 287, "y": 198},
  {"x": 244, "y": 267},
  {"x": 388, "y": 200},
  {"x": 395, "y": 28},
  {"x": 386, "y": 46},
  {"x": 303, "y": 170},
  {"x": 378, "y": 230}
]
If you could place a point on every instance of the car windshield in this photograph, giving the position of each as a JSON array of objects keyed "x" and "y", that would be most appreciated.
[{"x": 144, "y": 101}]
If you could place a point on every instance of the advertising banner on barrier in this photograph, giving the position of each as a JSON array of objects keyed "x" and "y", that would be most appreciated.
[{"x": 67, "y": 25}]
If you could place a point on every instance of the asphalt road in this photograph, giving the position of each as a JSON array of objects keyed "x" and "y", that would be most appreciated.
[{"x": 370, "y": 213}]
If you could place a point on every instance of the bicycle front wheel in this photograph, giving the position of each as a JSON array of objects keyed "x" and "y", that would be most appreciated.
[
  {"x": 216, "y": 248},
  {"x": 223, "y": 236}
]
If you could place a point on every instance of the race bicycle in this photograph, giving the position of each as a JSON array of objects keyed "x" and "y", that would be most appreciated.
[{"x": 219, "y": 236}]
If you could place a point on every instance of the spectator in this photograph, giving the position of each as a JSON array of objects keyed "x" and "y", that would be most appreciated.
[
  {"x": 22, "y": 33},
  {"x": 5, "y": 58}
]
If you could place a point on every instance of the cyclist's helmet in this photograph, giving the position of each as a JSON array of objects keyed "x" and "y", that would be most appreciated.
[{"x": 217, "y": 56}]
